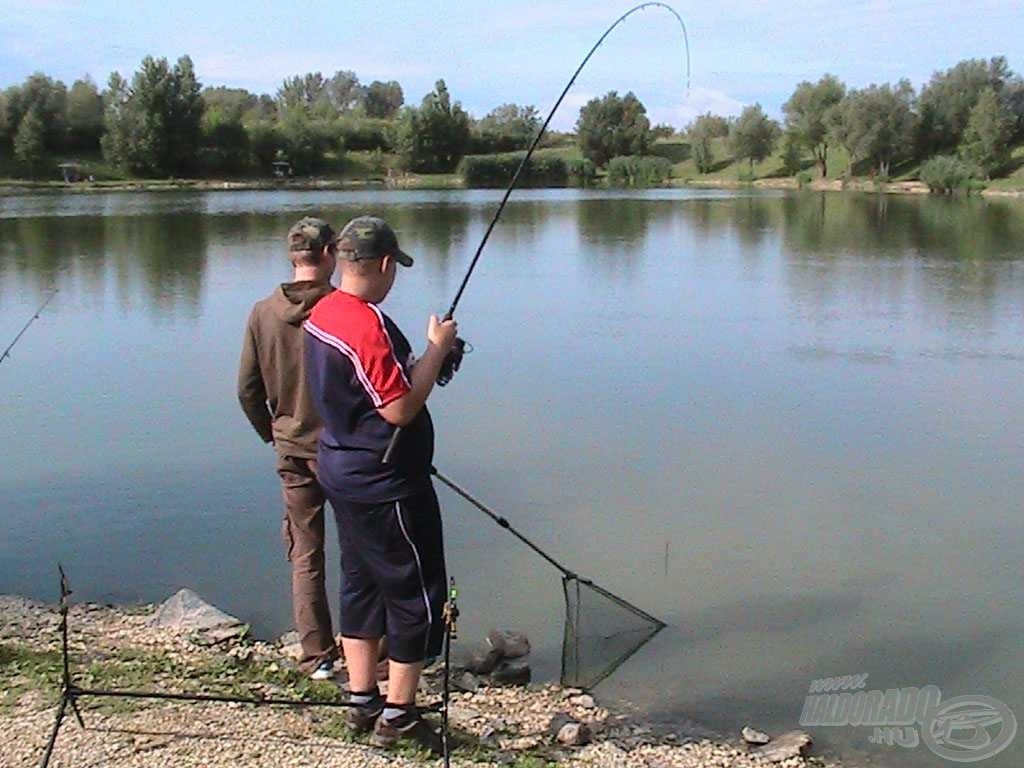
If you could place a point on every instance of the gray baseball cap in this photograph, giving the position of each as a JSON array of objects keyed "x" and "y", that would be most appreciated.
[{"x": 368, "y": 237}]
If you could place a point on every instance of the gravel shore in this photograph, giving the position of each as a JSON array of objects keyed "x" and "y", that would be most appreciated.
[{"x": 117, "y": 648}]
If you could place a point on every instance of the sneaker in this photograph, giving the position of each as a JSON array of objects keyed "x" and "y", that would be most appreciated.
[
  {"x": 361, "y": 718},
  {"x": 417, "y": 731},
  {"x": 324, "y": 672}
]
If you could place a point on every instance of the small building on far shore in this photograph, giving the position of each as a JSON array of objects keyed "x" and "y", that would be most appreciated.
[
  {"x": 72, "y": 172},
  {"x": 282, "y": 169}
]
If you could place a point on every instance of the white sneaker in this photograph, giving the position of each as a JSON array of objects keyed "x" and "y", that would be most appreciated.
[{"x": 324, "y": 672}]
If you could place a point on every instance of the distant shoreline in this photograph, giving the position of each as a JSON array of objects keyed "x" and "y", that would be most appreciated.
[{"x": 11, "y": 188}]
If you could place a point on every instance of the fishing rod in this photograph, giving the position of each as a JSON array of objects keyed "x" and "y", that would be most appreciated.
[
  {"x": 566, "y": 572},
  {"x": 455, "y": 357},
  {"x": 7, "y": 352}
]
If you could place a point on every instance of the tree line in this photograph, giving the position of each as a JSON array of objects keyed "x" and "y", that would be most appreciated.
[
  {"x": 965, "y": 120},
  {"x": 162, "y": 122}
]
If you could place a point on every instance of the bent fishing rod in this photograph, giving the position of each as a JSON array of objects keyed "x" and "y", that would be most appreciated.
[
  {"x": 7, "y": 352},
  {"x": 455, "y": 357}
]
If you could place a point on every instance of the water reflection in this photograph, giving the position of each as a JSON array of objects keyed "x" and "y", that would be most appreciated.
[
  {"x": 164, "y": 257},
  {"x": 794, "y": 390}
]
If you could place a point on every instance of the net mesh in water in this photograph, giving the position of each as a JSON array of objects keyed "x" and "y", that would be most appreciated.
[
  {"x": 601, "y": 629},
  {"x": 601, "y": 632}
]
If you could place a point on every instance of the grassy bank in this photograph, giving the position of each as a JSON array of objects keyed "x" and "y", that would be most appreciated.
[
  {"x": 118, "y": 648},
  {"x": 361, "y": 170}
]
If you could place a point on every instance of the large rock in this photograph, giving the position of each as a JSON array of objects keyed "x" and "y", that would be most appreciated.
[
  {"x": 482, "y": 661},
  {"x": 512, "y": 673},
  {"x": 511, "y": 645},
  {"x": 789, "y": 745},
  {"x": 574, "y": 734},
  {"x": 185, "y": 611}
]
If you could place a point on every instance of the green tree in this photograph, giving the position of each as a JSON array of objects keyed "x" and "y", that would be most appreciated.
[
  {"x": 5, "y": 129},
  {"x": 434, "y": 137},
  {"x": 876, "y": 124},
  {"x": 611, "y": 126},
  {"x": 306, "y": 140},
  {"x": 48, "y": 97},
  {"x": 805, "y": 113},
  {"x": 302, "y": 92},
  {"x": 701, "y": 133},
  {"x": 717, "y": 126},
  {"x": 153, "y": 125},
  {"x": 947, "y": 100},
  {"x": 230, "y": 104},
  {"x": 265, "y": 141},
  {"x": 118, "y": 123},
  {"x": 344, "y": 92},
  {"x": 506, "y": 128},
  {"x": 184, "y": 120},
  {"x": 753, "y": 135},
  {"x": 1013, "y": 97},
  {"x": 792, "y": 160},
  {"x": 662, "y": 131},
  {"x": 990, "y": 127},
  {"x": 29, "y": 143},
  {"x": 383, "y": 99},
  {"x": 85, "y": 115},
  {"x": 225, "y": 143}
]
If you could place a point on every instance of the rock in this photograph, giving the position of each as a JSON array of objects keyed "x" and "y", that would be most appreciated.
[
  {"x": 490, "y": 734},
  {"x": 558, "y": 720},
  {"x": 789, "y": 745},
  {"x": 185, "y": 610},
  {"x": 512, "y": 673},
  {"x": 293, "y": 651},
  {"x": 574, "y": 735},
  {"x": 754, "y": 736},
  {"x": 288, "y": 639},
  {"x": 482, "y": 661},
  {"x": 467, "y": 682},
  {"x": 584, "y": 701},
  {"x": 523, "y": 742},
  {"x": 511, "y": 645}
]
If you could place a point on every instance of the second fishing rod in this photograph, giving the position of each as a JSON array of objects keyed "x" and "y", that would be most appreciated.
[{"x": 454, "y": 359}]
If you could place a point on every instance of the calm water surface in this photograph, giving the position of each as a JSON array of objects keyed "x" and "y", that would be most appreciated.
[{"x": 792, "y": 426}]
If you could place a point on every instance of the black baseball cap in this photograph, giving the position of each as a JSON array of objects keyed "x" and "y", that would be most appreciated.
[{"x": 369, "y": 237}]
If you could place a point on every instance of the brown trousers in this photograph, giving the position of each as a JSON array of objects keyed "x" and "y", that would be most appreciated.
[{"x": 303, "y": 532}]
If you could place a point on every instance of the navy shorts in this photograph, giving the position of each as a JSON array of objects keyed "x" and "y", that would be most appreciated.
[{"x": 393, "y": 581}]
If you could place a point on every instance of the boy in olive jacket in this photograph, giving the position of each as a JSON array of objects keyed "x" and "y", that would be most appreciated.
[{"x": 272, "y": 391}]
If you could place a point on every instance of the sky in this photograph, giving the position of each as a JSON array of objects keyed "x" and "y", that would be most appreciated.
[{"x": 492, "y": 52}]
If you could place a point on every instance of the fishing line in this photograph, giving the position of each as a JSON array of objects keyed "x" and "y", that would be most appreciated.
[{"x": 525, "y": 161}]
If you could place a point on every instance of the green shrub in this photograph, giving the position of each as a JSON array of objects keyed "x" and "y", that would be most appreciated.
[
  {"x": 582, "y": 172},
  {"x": 638, "y": 171},
  {"x": 365, "y": 133},
  {"x": 746, "y": 176},
  {"x": 497, "y": 170},
  {"x": 803, "y": 179},
  {"x": 946, "y": 174},
  {"x": 673, "y": 151}
]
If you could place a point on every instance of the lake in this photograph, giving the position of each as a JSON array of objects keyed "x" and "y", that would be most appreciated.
[{"x": 789, "y": 425}]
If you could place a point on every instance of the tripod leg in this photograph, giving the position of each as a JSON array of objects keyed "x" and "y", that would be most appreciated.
[
  {"x": 56, "y": 729},
  {"x": 74, "y": 708}
]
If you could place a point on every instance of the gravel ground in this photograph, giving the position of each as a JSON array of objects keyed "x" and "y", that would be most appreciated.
[{"x": 512, "y": 725}]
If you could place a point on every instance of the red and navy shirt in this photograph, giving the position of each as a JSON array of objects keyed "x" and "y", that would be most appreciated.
[{"x": 356, "y": 362}]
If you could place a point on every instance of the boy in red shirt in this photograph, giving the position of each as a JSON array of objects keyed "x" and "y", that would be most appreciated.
[{"x": 365, "y": 382}]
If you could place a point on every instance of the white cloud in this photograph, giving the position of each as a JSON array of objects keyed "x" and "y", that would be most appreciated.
[{"x": 699, "y": 101}]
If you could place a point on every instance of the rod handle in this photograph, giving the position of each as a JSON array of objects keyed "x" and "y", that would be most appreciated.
[{"x": 392, "y": 444}]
